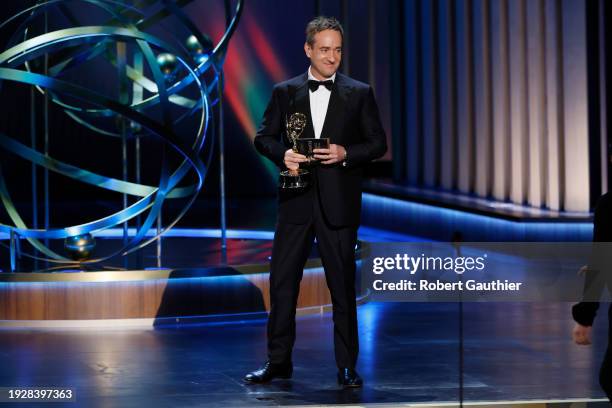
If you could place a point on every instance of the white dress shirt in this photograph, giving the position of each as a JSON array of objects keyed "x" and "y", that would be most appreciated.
[{"x": 319, "y": 101}]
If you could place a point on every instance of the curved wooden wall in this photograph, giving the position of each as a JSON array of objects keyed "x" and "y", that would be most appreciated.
[{"x": 146, "y": 294}]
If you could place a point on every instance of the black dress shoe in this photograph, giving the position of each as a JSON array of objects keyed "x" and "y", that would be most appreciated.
[
  {"x": 348, "y": 378},
  {"x": 268, "y": 372}
]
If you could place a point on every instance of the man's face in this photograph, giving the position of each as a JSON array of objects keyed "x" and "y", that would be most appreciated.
[{"x": 325, "y": 53}]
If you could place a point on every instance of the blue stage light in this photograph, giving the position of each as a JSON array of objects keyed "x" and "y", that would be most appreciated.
[{"x": 440, "y": 223}]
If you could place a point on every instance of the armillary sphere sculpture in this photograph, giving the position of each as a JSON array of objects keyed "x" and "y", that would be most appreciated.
[{"x": 163, "y": 80}]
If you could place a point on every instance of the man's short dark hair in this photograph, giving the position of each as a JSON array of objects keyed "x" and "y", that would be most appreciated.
[{"x": 319, "y": 24}]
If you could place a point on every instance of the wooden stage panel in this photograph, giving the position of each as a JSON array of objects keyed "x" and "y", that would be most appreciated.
[{"x": 145, "y": 294}]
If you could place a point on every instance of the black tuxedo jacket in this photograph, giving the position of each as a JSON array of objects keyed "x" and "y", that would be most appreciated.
[{"x": 352, "y": 120}]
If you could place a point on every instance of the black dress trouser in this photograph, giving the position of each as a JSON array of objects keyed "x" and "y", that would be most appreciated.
[{"x": 292, "y": 245}]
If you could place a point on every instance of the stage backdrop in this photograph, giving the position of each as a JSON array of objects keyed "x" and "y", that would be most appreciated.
[{"x": 504, "y": 99}]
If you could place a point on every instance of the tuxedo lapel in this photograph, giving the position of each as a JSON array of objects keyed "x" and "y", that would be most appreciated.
[
  {"x": 334, "y": 118},
  {"x": 300, "y": 102}
]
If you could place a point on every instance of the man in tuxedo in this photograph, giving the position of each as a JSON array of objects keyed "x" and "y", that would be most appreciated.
[{"x": 329, "y": 209}]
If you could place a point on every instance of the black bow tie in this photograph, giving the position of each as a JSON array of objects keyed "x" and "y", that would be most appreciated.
[{"x": 314, "y": 85}]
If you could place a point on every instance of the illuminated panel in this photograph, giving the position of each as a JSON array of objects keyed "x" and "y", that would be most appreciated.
[{"x": 443, "y": 223}]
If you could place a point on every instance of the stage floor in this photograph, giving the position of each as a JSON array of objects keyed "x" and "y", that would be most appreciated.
[{"x": 409, "y": 354}]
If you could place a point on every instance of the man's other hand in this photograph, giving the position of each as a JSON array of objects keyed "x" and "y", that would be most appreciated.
[
  {"x": 292, "y": 159},
  {"x": 582, "y": 334},
  {"x": 335, "y": 153}
]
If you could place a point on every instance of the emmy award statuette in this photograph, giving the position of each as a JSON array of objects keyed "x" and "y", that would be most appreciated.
[{"x": 295, "y": 179}]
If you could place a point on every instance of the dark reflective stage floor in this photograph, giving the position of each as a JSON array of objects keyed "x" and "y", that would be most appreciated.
[{"x": 409, "y": 353}]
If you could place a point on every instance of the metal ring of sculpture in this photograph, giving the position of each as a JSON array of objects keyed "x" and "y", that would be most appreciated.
[{"x": 126, "y": 24}]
